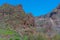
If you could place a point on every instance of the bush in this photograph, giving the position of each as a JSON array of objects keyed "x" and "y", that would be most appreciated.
[{"x": 56, "y": 37}]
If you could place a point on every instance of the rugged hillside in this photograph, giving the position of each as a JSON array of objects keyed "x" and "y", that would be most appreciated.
[
  {"x": 14, "y": 18},
  {"x": 50, "y": 21}
]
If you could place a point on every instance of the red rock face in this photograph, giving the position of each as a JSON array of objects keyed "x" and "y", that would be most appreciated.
[{"x": 16, "y": 17}]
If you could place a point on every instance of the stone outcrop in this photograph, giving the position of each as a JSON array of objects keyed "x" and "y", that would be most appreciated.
[
  {"x": 15, "y": 18},
  {"x": 50, "y": 21}
]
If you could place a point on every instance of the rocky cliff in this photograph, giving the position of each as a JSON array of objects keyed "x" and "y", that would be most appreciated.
[
  {"x": 50, "y": 21},
  {"x": 14, "y": 18}
]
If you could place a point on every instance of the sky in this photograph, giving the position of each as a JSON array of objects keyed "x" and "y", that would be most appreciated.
[{"x": 36, "y": 7}]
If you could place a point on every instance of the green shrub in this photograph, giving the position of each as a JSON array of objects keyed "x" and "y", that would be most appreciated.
[
  {"x": 34, "y": 37},
  {"x": 17, "y": 39},
  {"x": 10, "y": 39},
  {"x": 57, "y": 37}
]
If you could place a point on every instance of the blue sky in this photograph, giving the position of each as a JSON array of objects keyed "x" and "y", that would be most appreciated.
[{"x": 36, "y": 7}]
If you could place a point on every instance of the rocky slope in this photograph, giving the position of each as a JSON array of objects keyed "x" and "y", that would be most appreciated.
[
  {"x": 14, "y": 18},
  {"x": 51, "y": 21}
]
